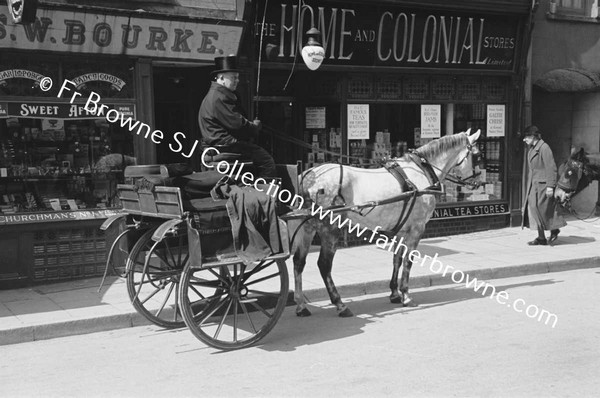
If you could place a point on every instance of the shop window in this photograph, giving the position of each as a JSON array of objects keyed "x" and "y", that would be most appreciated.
[
  {"x": 572, "y": 6},
  {"x": 107, "y": 79},
  {"x": 21, "y": 76},
  {"x": 469, "y": 89},
  {"x": 416, "y": 88},
  {"x": 443, "y": 88},
  {"x": 394, "y": 128},
  {"x": 360, "y": 87},
  {"x": 389, "y": 87},
  {"x": 322, "y": 131},
  {"x": 579, "y": 10},
  {"x": 56, "y": 155},
  {"x": 51, "y": 164}
]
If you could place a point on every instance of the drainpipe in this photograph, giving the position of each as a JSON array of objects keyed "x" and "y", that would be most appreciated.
[{"x": 523, "y": 83}]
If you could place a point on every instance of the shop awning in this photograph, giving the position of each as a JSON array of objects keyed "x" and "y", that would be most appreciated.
[{"x": 569, "y": 80}]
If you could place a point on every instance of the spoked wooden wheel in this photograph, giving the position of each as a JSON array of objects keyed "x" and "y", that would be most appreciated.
[
  {"x": 153, "y": 275},
  {"x": 233, "y": 306}
]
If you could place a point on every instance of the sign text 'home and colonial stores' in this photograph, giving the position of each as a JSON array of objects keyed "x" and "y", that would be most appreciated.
[{"x": 383, "y": 35}]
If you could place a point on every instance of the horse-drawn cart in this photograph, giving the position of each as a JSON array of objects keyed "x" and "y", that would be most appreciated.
[{"x": 181, "y": 267}]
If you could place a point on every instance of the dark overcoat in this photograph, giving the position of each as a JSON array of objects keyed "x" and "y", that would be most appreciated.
[
  {"x": 221, "y": 118},
  {"x": 538, "y": 209}
]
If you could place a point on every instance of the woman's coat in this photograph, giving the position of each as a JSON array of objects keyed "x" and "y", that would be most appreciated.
[{"x": 538, "y": 209}]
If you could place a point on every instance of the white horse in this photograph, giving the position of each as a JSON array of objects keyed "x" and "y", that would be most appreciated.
[{"x": 332, "y": 184}]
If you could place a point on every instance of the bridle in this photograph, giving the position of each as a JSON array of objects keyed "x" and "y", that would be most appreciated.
[
  {"x": 581, "y": 171},
  {"x": 471, "y": 150},
  {"x": 578, "y": 165}
]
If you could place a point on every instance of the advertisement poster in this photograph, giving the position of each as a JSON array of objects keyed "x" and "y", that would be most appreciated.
[
  {"x": 358, "y": 121},
  {"x": 431, "y": 121},
  {"x": 315, "y": 117},
  {"x": 496, "y": 125}
]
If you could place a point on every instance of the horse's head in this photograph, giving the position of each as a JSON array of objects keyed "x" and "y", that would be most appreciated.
[
  {"x": 452, "y": 152},
  {"x": 572, "y": 176},
  {"x": 468, "y": 156}
]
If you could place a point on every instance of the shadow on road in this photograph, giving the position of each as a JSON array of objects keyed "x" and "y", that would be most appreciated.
[{"x": 324, "y": 325}]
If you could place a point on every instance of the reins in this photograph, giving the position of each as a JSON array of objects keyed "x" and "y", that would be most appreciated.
[{"x": 567, "y": 205}]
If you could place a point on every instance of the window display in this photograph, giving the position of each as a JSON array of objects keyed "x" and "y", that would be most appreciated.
[
  {"x": 51, "y": 164},
  {"x": 395, "y": 128}
]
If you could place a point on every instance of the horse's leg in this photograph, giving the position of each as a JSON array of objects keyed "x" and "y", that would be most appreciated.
[
  {"x": 301, "y": 246},
  {"x": 396, "y": 297},
  {"x": 402, "y": 258},
  {"x": 413, "y": 238},
  {"x": 329, "y": 238}
]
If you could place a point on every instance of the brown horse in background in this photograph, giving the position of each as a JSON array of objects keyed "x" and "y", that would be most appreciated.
[
  {"x": 576, "y": 174},
  {"x": 331, "y": 184}
]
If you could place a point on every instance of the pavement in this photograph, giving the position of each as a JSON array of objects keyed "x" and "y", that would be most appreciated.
[{"x": 76, "y": 307}]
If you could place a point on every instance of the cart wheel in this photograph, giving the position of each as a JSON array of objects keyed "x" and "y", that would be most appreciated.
[
  {"x": 153, "y": 274},
  {"x": 233, "y": 306}
]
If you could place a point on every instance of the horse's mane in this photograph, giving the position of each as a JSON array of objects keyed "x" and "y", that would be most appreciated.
[
  {"x": 441, "y": 145},
  {"x": 592, "y": 159}
]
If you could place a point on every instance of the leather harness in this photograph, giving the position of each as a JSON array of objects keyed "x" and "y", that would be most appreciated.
[{"x": 408, "y": 188}]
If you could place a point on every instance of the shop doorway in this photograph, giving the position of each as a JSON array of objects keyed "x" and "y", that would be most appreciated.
[{"x": 178, "y": 93}]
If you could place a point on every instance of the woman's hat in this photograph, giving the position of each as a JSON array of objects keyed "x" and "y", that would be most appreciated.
[
  {"x": 226, "y": 64},
  {"x": 532, "y": 131}
]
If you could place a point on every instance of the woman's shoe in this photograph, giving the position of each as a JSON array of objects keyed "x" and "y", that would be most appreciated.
[
  {"x": 538, "y": 241},
  {"x": 553, "y": 236}
]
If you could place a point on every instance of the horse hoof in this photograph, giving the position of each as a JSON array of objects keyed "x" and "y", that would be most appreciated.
[
  {"x": 409, "y": 303},
  {"x": 396, "y": 300},
  {"x": 304, "y": 312},
  {"x": 346, "y": 313}
]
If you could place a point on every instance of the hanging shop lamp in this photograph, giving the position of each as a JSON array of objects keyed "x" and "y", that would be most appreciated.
[
  {"x": 22, "y": 11},
  {"x": 313, "y": 53}
]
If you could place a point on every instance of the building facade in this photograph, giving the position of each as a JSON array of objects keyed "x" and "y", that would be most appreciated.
[
  {"x": 148, "y": 63},
  {"x": 395, "y": 75},
  {"x": 565, "y": 75}
]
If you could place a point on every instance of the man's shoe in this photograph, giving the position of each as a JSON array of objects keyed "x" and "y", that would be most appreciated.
[
  {"x": 553, "y": 236},
  {"x": 538, "y": 241}
]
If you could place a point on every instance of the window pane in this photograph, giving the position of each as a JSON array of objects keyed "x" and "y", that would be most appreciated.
[{"x": 576, "y": 4}]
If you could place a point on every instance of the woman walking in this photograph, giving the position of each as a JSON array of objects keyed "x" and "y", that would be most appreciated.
[{"x": 539, "y": 207}]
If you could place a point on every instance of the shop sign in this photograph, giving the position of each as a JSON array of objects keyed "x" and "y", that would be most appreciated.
[
  {"x": 431, "y": 121},
  {"x": 470, "y": 210},
  {"x": 358, "y": 121},
  {"x": 315, "y": 117},
  {"x": 391, "y": 35},
  {"x": 19, "y": 73},
  {"x": 30, "y": 218},
  {"x": 86, "y": 32},
  {"x": 496, "y": 116},
  {"x": 35, "y": 110},
  {"x": 114, "y": 81}
]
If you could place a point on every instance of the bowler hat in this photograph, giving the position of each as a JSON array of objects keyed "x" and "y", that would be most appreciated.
[{"x": 226, "y": 64}]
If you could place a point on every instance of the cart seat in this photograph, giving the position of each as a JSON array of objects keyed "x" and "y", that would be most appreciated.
[{"x": 212, "y": 159}]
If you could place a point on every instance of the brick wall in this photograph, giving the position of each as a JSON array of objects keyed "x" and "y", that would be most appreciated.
[{"x": 459, "y": 226}]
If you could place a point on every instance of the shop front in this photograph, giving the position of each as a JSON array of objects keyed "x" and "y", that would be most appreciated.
[
  {"x": 395, "y": 77},
  {"x": 60, "y": 162}
]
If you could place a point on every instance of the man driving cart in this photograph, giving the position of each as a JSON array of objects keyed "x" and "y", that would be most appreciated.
[{"x": 223, "y": 123}]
